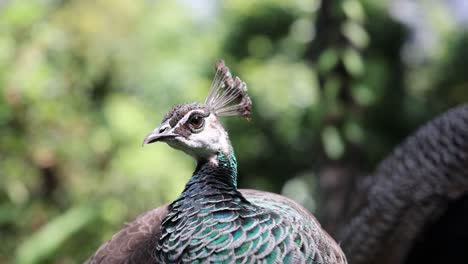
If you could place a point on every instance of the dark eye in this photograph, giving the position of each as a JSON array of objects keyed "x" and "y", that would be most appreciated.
[{"x": 197, "y": 121}]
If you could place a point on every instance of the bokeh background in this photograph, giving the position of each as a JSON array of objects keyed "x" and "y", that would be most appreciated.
[{"x": 335, "y": 86}]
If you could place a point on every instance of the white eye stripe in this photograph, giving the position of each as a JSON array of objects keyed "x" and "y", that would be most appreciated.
[{"x": 184, "y": 119}]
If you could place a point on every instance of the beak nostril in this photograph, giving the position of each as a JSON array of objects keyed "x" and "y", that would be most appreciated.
[{"x": 162, "y": 129}]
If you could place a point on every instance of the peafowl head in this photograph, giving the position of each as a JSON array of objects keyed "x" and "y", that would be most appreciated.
[{"x": 194, "y": 128}]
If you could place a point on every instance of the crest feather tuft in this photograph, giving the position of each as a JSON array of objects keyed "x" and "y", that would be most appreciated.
[{"x": 228, "y": 96}]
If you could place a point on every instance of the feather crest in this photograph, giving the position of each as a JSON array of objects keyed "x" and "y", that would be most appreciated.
[{"x": 228, "y": 96}]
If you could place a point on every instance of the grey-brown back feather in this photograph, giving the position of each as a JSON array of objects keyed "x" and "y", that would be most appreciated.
[{"x": 132, "y": 244}]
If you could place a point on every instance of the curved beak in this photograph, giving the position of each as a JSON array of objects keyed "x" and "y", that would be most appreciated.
[{"x": 161, "y": 133}]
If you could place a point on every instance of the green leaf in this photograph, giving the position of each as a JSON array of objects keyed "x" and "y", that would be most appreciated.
[
  {"x": 363, "y": 95},
  {"x": 353, "y": 9},
  {"x": 356, "y": 34},
  {"x": 22, "y": 13},
  {"x": 332, "y": 142},
  {"x": 50, "y": 237},
  {"x": 354, "y": 132},
  {"x": 327, "y": 60},
  {"x": 331, "y": 88},
  {"x": 260, "y": 46},
  {"x": 353, "y": 62}
]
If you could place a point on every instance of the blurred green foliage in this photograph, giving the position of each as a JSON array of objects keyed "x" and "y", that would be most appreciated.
[{"x": 82, "y": 83}]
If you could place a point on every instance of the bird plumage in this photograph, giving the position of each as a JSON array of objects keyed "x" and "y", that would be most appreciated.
[
  {"x": 213, "y": 222},
  {"x": 135, "y": 242}
]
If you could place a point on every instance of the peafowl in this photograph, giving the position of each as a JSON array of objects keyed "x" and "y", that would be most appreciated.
[
  {"x": 407, "y": 203},
  {"x": 212, "y": 221}
]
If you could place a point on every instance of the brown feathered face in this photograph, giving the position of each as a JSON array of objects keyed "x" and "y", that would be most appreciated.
[{"x": 192, "y": 128}]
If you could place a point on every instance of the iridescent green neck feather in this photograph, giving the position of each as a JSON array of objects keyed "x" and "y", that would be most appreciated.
[
  {"x": 229, "y": 162},
  {"x": 222, "y": 171}
]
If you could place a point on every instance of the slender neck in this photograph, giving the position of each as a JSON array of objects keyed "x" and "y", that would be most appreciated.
[{"x": 218, "y": 175}]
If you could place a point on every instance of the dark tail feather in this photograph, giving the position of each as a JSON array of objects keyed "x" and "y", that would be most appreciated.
[{"x": 410, "y": 189}]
